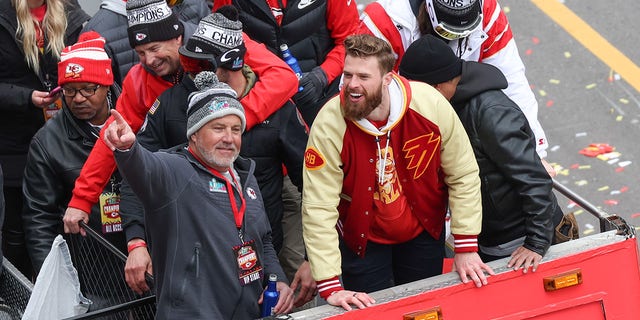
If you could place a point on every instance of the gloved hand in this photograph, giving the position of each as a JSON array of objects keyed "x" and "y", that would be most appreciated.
[{"x": 313, "y": 83}]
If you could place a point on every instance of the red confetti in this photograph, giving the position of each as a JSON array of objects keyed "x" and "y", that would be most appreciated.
[
  {"x": 550, "y": 103},
  {"x": 619, "y": 169},
  {"x": 596, "y": 149},
  {"x": 611, "y": 202},
  {"x": 535, "y": 40},
  {"x": 624, "y": 189},
  {"x": 635, "y": 215},
  {"x": 528, "y": 52},
  {"x": 575, "y": 166}
]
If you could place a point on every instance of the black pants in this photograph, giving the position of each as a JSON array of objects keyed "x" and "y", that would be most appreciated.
[
  {"x": 384, "y": 266},
  {"x": 13, "y": 241}
]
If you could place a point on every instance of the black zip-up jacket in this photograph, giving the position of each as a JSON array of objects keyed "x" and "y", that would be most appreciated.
[
  {"x": 20, "y": 119},
  {"x": 281, "y": 139},
  {"x": 56, "y": 156},
  {"x": 517, "y": 198}
]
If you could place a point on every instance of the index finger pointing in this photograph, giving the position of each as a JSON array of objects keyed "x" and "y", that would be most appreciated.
[{"x": 117, "y": 117}]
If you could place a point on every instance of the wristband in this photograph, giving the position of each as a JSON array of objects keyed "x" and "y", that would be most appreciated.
[{"x": 136, "y": 245}]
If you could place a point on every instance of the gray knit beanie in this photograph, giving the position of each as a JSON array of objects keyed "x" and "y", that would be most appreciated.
[{"x": 214, "y": 100}]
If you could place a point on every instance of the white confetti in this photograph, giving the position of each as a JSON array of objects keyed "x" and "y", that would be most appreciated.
[{"x": 624, "y": 163}]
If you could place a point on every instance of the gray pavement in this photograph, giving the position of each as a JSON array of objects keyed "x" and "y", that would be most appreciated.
[{"x": 583, "y": 101}]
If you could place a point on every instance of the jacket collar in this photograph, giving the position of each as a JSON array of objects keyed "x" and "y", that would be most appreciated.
[
  {"x": 477, "y": 78},
  {"x": 243, "y": 166},
  {"x": 76, "y": 128}
]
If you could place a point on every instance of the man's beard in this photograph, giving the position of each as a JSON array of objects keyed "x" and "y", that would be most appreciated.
[
  {"x": 209, "y": 157},
  {"x": 360, "y": 110}
]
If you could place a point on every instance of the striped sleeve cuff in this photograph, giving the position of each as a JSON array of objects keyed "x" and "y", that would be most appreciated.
[
  {"x": 329, "y": 286},
  {"x": 465, "y": 243}
]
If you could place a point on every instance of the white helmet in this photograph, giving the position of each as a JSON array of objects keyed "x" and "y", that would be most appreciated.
[{"x": 454, "y": 19}]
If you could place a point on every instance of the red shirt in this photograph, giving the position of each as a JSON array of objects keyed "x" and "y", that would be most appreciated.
[{"x": 38, "y": 13}]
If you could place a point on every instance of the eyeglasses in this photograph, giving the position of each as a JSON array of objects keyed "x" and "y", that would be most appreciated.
[{"x": 85, "y": 92}]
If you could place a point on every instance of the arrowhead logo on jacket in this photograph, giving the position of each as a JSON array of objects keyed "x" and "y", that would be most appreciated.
[
  {"x": 313, "y": 160},
  {"x": 419, "y": 151}
]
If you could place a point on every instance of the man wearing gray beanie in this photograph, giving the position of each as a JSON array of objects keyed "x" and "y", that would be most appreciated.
[
  {"x": 199, "y": 186},
  {"x": 279, "y": 139},
  {"x": 521, "y": 225}
]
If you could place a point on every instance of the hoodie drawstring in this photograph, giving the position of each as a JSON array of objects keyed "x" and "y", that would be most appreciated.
[{"x": 382, "y": 158}]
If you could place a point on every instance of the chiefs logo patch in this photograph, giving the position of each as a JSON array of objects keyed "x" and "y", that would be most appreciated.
[
  {"x": 252, "y": 193},
  {"x": 140, "y": 36},
  {"x": 313, "y": 160},
  {"x": 73, "y": 70}
]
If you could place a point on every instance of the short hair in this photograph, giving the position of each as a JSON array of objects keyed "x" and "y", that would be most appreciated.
[{"x": 364, "y": 45}]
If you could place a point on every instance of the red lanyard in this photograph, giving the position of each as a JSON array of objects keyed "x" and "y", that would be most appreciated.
[{"x": 237, "y": 214}]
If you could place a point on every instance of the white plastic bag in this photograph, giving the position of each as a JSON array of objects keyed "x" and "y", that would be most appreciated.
[{"x": 56, "y": 293}]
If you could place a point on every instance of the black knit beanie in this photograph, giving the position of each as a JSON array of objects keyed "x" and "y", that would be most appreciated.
[
  {"x": 150, "y": 21},
  {"x": 219, "y": 38},
  {"x": 430, "y": 60}
]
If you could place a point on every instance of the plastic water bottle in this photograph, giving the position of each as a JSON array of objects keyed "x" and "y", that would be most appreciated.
[
  {"x": 291, "y": 61},
  {"x": 270, "y": 296}
]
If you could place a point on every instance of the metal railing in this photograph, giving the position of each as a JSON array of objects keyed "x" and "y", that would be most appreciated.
[
  {"x": 100, "y": 267},
  {"x": 607, "y": 221}
]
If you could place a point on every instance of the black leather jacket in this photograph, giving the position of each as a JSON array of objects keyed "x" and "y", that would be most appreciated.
[
  {"x": 517, "y": 198},
  {"x": 56, "y": 156}
]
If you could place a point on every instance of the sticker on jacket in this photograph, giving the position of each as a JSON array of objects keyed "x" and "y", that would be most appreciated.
[{"x": 217, "y": 186}]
